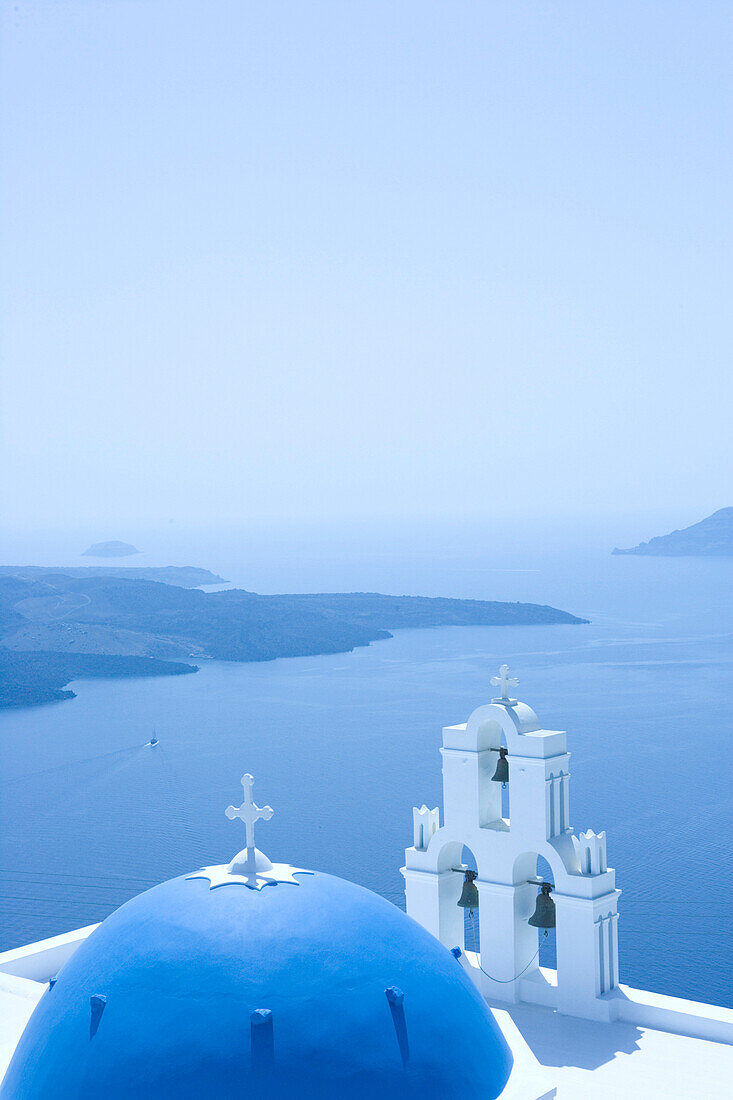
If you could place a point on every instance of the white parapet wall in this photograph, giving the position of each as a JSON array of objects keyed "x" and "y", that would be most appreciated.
[
  {"x": 631, "y": 1006},
  {"x": 673, "y": 1014},
  {"x": 41, "y": 961}
]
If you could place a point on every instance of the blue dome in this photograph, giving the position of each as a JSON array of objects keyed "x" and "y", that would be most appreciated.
[{"x": 355, "y": 1000}]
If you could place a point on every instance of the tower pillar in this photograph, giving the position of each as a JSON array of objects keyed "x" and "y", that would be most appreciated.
[
  {"x": 432, "y": 900},
  {"x": 508, "y": 943},
  {"x": 587, "y": 953}
]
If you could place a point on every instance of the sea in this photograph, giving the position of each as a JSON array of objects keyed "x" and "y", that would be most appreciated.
[{"x": 343, "y": 746}]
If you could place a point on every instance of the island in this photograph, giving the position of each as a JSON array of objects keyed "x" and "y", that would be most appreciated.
[
  {"x": 112, "y": 549},
  {"x": 711, "y": 537},
  {"x": 57, "y": 626}
]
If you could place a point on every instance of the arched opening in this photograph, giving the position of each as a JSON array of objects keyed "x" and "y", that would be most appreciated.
[
  {"x": 494, "y": 795},
  {"x": 471, "y": 932},
  {"x": 537, "y": 945},
  {"x": 548, "y": 943}
]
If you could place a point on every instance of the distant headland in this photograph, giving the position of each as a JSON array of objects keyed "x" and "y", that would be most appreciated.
[
  {"x": 58, "y": 625},
  {"x": 112, "y": 549},
  {"x": 711, "y": 537},
  {"x": 182, "y": 576}
]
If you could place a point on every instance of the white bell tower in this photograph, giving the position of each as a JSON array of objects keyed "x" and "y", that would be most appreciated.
[{"x": 506, "y": 852}]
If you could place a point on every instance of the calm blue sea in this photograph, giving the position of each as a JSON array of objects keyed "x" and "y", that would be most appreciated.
[{"x": 343, "y": 746}]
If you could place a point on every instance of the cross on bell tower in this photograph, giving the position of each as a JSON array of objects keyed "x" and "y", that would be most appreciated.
[
  {"x": 504, "y": 681},
  {"x": 248, "y": 812}
]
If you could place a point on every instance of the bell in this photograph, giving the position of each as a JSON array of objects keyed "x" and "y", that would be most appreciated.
[
  {"x": 469, "y": 894},
  {"x": 544, "y": 913},
  {"x": 501, "y": 775}
]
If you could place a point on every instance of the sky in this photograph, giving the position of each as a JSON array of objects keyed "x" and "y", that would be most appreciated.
[{"x": 340, "y": 260}]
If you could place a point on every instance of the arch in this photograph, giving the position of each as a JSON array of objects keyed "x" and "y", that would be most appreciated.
[
  {"x": 446, "y": 852},
  {"x": 489, "y": 722},
  {"x": 525, "y": 865},
  {"x": 537, "y": 946}
]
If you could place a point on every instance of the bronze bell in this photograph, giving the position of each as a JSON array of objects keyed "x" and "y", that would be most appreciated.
[
  {"x": 501, "y": 775},
  {"x": 469, "y": 894},
  {"x": 544, "y": 913}
]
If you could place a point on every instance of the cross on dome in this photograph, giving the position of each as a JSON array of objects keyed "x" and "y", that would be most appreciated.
[
  {"x": 250, "y": 867},
  {"x": 248, "y": 812},
  {"x": 504, "y": 681}
]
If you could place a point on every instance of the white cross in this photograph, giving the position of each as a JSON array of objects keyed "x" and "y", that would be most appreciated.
[
  {"x": 248, "y": 812},
  {"x": 504, "y": 681}
]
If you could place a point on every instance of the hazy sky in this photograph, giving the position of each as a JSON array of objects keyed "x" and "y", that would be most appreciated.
[{"x": 333, "y": 258}]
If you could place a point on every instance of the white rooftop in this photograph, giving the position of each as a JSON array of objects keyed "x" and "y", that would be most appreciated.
[{"x": 574, "y": 1059}]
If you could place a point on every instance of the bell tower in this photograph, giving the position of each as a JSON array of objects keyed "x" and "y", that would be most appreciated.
[{"x": 582, "y": 897}]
